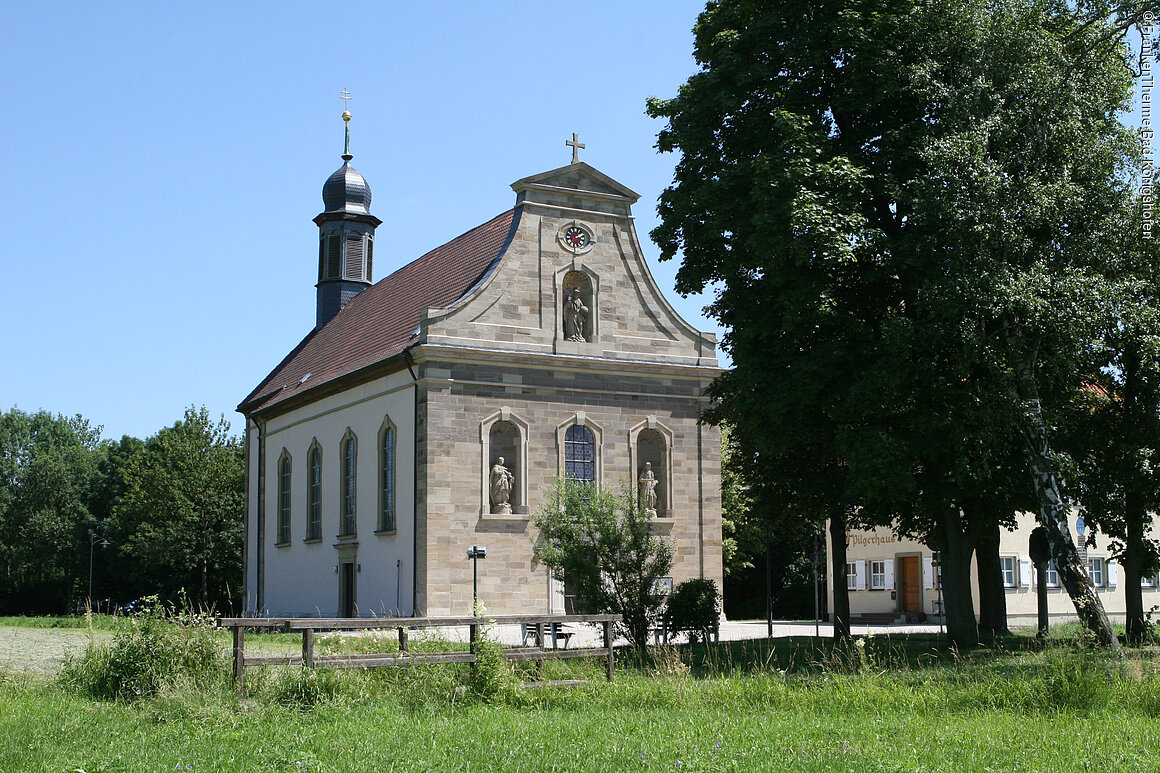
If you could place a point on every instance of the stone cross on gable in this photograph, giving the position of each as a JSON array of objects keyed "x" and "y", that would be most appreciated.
[{"x": 576, "y": 145}]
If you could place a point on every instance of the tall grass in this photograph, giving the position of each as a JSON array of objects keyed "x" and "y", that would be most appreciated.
[{"x": 159, "y": 649}]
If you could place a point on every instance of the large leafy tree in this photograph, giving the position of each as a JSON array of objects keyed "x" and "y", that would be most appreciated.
[
  {"x": 905, "y": 207},
  {"x": 47, "y": 463},
  {"x": 179, "y": 518},
  {"x": 1111, "y": 425}
]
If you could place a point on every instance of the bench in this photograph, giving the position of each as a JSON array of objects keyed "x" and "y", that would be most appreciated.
[{"x": 556, "y": 631}]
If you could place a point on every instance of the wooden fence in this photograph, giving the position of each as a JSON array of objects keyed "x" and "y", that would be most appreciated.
[{"x": 539, "y": 625}]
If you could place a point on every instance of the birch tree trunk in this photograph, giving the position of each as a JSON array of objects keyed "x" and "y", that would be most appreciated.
[{"x": 1053, "y": 516}]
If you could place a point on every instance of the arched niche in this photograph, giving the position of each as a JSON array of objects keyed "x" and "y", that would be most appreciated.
[
  {"x": 504, "y": 435},
  {"x": 577, "y": 304},
  {"x": 651, "y": 443}
]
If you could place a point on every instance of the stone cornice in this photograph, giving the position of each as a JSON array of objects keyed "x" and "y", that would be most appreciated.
[{"x": 556, "y": 362}]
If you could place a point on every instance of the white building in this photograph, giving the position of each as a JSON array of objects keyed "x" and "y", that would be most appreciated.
[{"x": 889, "y": 576}]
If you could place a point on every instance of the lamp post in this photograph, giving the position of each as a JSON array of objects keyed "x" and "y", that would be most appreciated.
[
  {"x": 475, "y": 552},
  {"x": 94, "y": 540}
]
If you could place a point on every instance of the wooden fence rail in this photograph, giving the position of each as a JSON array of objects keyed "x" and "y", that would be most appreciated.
[{"x": 536, "y": 624}]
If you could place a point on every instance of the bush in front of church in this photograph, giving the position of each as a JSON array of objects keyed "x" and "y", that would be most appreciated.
[{"x": 693, "y": 608}]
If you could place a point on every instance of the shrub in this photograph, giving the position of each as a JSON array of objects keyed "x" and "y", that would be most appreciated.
[
  {"x": 491, "y": 677},
  {"x": 693, "y": 608},
  {"x": 148, "y": 652}
]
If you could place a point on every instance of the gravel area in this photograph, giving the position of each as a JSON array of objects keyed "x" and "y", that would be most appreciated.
[{"x": 42, "y": 650}]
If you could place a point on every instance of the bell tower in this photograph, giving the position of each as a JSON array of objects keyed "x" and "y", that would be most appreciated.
[{"x": 346, "y": 236}]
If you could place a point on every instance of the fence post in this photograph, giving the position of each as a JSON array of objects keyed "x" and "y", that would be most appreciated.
[
  {"x": 239, "y": 657},
  {"x": 402, "y": 639},
  {"x": 539, "y": 633},
  {"x": 308, "y": 647},
  {"x": 611, "y": 656}
]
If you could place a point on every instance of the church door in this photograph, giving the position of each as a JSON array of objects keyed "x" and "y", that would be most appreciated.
[
  {"x": 346, "y": 605},
  {"x": 911, "y": 576}
]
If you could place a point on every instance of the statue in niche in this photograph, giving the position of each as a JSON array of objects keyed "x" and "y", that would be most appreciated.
[
  {"x": 575, "y": 313},
  {"x": 648, "y": 490},
  {"x": 502, "y": 481}
]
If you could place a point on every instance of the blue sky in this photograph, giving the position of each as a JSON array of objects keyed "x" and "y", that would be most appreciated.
[{"x": 162, "y": 164}]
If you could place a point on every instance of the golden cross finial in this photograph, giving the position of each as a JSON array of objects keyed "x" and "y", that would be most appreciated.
[{"x": 345, "y": 96}]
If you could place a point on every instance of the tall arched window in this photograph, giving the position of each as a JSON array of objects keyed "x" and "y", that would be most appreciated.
[
  {"x": 579, "y": 454},
  {"x": 387, "y": 477},
  {"x": 349, "y": 485},
  {"x": 314, "y": 492},
  {"x": 284, "y": 471}
]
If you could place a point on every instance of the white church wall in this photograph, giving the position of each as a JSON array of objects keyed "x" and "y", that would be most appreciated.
[{"x": 301, "y": 577}]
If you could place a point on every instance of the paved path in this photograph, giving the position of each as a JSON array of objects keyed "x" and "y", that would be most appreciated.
[{"x": 590, "y": 636}]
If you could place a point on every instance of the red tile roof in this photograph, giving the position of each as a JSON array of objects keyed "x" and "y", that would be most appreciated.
[{"x": 379, "y": 322}]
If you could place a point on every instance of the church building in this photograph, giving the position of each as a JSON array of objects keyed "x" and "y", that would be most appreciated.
[{"x": 432, "y": 410}]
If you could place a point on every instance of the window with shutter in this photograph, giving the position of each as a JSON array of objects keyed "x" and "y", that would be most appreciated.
[
  {"x": 354, "y": 257},
  {"x": 1007, "y": 567},
  {"x": 334, "y": 256},
  {"x": 370, "y": 257}
]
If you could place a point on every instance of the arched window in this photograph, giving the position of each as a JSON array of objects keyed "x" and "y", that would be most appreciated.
[
  {"x": 387, "y": 477},
  {"x": 284, "y": 471},
  {"x": 579, "y": 454},
  {"x": 314, "y": 492},
  {"x": 349, "y": 485}
]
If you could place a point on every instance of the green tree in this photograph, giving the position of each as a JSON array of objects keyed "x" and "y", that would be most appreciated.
[
  {"x": 905, "y": 208},
  {"x": 602, "y": 546},
  {"x": 180, "y": 516},
  {"x": 47, "y": 464},
  {"x": 1111, "y": 426}
]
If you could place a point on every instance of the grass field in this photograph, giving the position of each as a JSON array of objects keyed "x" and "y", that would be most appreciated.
[{"x": 885, "y": 705}]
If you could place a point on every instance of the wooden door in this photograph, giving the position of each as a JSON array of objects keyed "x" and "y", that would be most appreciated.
[
  {"x": 346, "y": 605},
  {"x": 911, "y": 577}
]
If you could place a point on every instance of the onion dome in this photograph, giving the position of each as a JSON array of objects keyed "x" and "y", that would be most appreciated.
[{"x": 347, "y": 191}]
